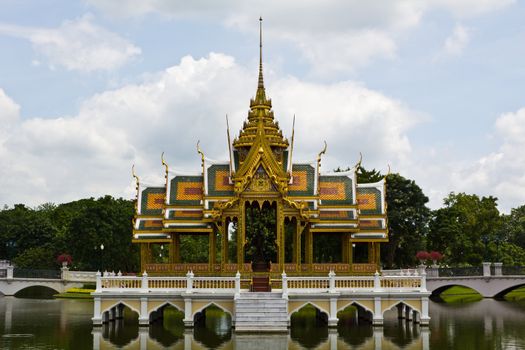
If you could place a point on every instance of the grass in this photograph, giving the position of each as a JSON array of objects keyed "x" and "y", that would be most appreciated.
[
  {"x": 516, "y": 295},
  {"x": 460, "y": 294},
  {"x": 76, "y": 293}
]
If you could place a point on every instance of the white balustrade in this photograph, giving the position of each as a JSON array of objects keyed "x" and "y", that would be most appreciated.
[{"x": 290, "y": 285}]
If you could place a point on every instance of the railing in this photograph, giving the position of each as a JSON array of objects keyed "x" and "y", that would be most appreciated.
[
  {"x": 78, "y": 276},
  {"x": 146, "y": 284},
  {"x": 30, "y": 273},
  {"x": 287, "y": 285},
  {"x": 400, "y": 272},
  {"x": 333, "y": 283},
  {"x": 513, "y": 270},
  {"x": 461, "y": 271}
]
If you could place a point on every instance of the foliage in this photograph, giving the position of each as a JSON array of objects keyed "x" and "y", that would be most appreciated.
[
  {"x": 35, "y": 258},
  {"x": 103, "y": 222},
  {"x": 407, "y": 221},
  {"x": 464, "y": 227},
  {"x": 33, "y": 238},
  {"x": 260, "y": 234}
]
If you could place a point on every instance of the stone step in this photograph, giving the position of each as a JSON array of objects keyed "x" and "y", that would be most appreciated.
[
  {"x": 251, "y": 319},
  {"x": 259, "y": 310}
]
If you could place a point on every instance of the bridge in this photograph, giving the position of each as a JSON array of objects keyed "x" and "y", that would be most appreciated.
[
  {"x": 13, "y": 280},
  {"x": 491, "y": 280}
]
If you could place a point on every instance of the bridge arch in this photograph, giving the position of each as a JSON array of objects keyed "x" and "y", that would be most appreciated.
[
  {"x": 401, "y": 302},
  {"x": 21, "y": 289},
  {"x": 108, "y": 308},
  {"x": 500, "y": 295},
  {"x": 212, "y": 303},
  {"x": 356, "y": 303},
  {"x": 296, "y": 308},
  {"x": 437, "y": 291},
  {"x": 165, "y": 304}
]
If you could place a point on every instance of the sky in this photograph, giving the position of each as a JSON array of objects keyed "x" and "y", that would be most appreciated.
[{"x": 433, "y": 90}]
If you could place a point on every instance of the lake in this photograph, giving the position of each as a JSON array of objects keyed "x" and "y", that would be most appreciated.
[{"x": 66, "y": 324}]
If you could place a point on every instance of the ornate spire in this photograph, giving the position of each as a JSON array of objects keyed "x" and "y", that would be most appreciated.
[
  {"x": 260, "y": 95},
  {"x": 260, "y": 117}
]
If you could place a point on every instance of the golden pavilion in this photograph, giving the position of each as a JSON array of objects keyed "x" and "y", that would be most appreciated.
[{"x": 287, "y": 216}]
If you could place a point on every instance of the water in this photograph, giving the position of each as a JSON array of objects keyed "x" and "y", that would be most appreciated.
[{"x": 66, "y": 324}]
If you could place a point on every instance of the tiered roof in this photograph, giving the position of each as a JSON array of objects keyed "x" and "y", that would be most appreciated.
[{"x": 332, "y": 202}]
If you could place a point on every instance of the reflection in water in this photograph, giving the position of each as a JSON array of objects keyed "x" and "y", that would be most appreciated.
[{"x": 66, "y": 324}]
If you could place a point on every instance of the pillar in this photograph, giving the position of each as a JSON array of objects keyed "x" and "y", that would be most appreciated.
[
  {"x": 377, "y": 246},
  {"x": 211, "y": 250},
  {"x": 97, "y": 316},
  {"x": 97, "y": 334},
  {"x": 371, "y": 258},
  {"x": 309, "y": 256},
  {"x": 188, "y": 319},
  {"x": 498, "y": 271},
  {"x": 425, "y": 318},
  {"x": 408, "y": 313},
  {"x": 143, "y": 316},
  {"x": 280, "y": 235},
  {"x": 378, "y": 338},
  {"x": 224, "y": 242},
  {"x": 416, "y": 316},
  {"x": 332, "y": 318},
  {"x": 378, "y": 314},
  {"x": 400, "y": 311},
  {"x": 143, "y": 256},
  {"x": 344, "y": 247},
  {"x": 486, "y": 269},
  {"x": 295, "y": 239},
  {"x": 143, "y": 338},
  {"x": 176, "y": 248},
  {"x": 240, "y": 236}
]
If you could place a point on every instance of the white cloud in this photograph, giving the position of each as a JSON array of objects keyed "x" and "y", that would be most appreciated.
[
  {"x": 90, "y": 153},
  {"x": 456, "y": 42},
  {"x": 500, "y": 173},
  {"x": 348, "y": 34},
  {"x": 77, "y": 45}
]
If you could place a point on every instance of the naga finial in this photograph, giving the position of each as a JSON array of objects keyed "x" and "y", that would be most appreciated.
[
  {"x": 200, "y": 151},
  {"x": 164, "y": 162},
  {"x": 358, "y": 164},
  {"x": 322, "y": 152},
  {"x": 137, "y": 181}
]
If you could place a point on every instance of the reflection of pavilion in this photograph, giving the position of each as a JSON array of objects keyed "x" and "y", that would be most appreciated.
[
  {"x": 334, "y": 340},
  {"x": 312, "y": 222}
]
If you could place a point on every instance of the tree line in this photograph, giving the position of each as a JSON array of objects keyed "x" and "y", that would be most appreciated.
[{"x": 467, "y": 230}]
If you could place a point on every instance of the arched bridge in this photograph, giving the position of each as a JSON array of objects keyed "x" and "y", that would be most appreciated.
[
  {"x": 490, "y": 281},
  {"x": 13, "y": 280}
]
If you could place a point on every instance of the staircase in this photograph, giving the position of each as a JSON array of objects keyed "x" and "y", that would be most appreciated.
[
  {"x": 260, "y": 284},
  {"x": 261, "y": 312}
]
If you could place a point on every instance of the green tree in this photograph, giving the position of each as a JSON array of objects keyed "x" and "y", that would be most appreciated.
[
  {"x": 105, "y": 221},
  {"x": 465, "y": 229},
  {"x": 36, "y": 258},
  {"x": 22, "y": 228},
  {"x": 260, "y": 234},
  {"x": 408, "y": 218}
]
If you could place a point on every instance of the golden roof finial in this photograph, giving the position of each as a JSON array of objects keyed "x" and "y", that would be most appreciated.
[
  {"x": 164, "y": 162},
  {"x": 358, "y": 164},
  {"x": 260, "y": 96},
  {"x": 322, "y": 152},
  {"x": 136, "y": 178},
  {"x": 200, "y": 151}
]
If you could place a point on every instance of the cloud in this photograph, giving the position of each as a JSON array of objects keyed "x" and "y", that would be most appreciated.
[
  {"x": 77, "y": 45},
  {"x": 456, "y": 42},
  {"x": 91, "y": 153},
  {"x": 500, "y": 173},
  {"x": 348, "y": 34}
]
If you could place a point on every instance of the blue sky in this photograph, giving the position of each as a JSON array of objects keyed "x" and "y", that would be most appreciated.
[{"x": 434, "y": 89}]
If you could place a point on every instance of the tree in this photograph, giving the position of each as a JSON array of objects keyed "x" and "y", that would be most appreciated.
[
  {"x": 23, "y": 228},
  {"x": 407, "y": 221},
  {"x": 105, "y": 221},
  {"x": 465, "y": 229}
]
